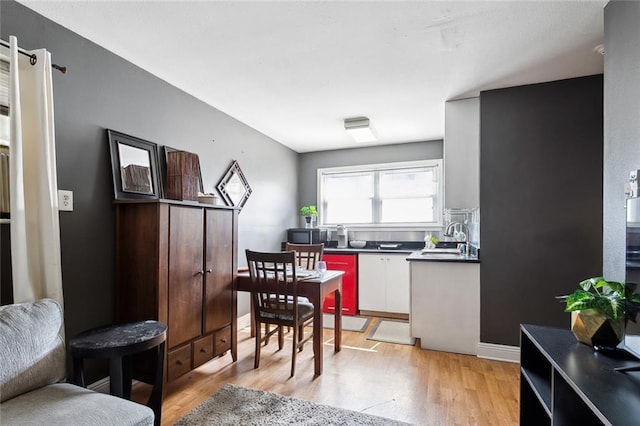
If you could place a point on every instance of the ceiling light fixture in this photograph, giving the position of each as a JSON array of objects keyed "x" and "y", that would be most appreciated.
[{"x": 360, "y": 129}]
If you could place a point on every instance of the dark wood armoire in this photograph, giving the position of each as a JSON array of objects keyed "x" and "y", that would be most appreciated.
[{"x": 176, "y": 263}]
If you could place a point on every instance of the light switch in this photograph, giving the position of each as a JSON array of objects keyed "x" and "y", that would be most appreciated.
[{"x": 65, "y": 200}]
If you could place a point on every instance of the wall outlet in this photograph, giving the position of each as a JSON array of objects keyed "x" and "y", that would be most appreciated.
[{"x": 65, "y": 200}]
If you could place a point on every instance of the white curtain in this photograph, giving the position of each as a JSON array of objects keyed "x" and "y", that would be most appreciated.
[{"x": 35, "y": 228}]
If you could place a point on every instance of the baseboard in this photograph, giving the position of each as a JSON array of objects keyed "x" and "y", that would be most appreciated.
[
  {"x": 101, "y": 385},
  {"x": 244, "y": 321},
  {"x": 390, "y": 315},
  {"x": 499, "y": 352}
]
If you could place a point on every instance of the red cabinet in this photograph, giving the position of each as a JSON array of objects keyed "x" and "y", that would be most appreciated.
[{"x": 349, "y": 264}]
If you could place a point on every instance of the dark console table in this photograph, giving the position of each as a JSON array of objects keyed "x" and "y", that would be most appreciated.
[
  {"x": 564, "y": 382},
  {"x": 118, "y": 343}
]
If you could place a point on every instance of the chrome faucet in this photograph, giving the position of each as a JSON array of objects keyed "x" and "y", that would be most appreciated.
[{"x": 454, "y": 227}]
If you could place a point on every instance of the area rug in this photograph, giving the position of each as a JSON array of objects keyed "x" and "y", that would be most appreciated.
[
  {"x": 235, "y": 405},
  {"x": 392, "y": 332},
  {"x": 349, "y": 323}
]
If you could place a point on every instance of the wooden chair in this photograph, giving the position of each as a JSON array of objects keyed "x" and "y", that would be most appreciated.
[
  {"x": 275, "y": 300},
  {"x": 307, "y": 255}
]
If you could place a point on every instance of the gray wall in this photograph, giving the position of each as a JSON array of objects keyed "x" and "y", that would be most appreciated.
[
  {"x": 540, "y": 201},
  {"x": 462, "y": 153},
  {"x": 621, "y": 124},
  {"x": 310, "y": 162},
  {"x": 101, "y": 91}
]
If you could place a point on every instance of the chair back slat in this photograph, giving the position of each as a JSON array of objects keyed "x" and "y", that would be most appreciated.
[{"x": 307, "y": 255}]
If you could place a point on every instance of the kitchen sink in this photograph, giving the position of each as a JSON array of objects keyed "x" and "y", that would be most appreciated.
[
  {"x": 447, "y": 244},
  {"x": 445, "y": 251},
  {"x": 444, "y": 255}
]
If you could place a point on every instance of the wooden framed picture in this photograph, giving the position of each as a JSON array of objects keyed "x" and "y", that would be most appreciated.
[
  {"x": 233, "y": 186},
  {"x": 162, "y": 162},
  {"x": 134, "y": 164}
]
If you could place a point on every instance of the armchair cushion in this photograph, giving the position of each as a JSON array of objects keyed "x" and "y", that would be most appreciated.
[
  {"x": 32, "y": 351},
  {"x": 64, "y": 404}
]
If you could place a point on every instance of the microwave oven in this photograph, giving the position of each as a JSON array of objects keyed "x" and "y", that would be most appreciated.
[{"x": 306, "y": 235}]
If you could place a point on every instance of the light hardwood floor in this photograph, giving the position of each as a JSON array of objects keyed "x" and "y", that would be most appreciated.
[{"x": 399, "y": 382}]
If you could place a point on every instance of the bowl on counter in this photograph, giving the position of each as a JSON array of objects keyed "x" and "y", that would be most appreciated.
[{"x": 357, "y": 244}]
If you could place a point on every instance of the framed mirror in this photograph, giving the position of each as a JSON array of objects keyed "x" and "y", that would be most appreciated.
[
  {"x": 233, "y": 186},
  {"x": 134, "y": 164}
]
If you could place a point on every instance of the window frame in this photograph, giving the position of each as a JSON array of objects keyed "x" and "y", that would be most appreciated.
[{"x": 377, "y": 167}]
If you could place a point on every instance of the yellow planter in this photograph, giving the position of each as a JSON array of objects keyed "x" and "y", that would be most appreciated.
[{"x": 594, "y": 329}]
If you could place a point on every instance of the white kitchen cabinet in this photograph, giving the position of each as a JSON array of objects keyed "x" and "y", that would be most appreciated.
[
  {"x": 445, "y": 305},
  {"x": 383, "y": 283},
  {"x": 372, "y": 295}
]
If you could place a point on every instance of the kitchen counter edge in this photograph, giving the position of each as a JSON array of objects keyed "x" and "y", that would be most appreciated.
[{"x": 418, "y": 256}]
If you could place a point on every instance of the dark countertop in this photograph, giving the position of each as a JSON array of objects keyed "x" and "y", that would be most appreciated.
[
  {"x": 409, "y": 248},
  {"x": 404, "y": 247},
  {"x": 365, "y": 250},
  {"x": 412, "y": 255}
]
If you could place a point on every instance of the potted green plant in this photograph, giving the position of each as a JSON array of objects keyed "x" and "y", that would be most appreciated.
[
  {"x": 309, "y": 213},
  {"x": 599, "y": 310}
]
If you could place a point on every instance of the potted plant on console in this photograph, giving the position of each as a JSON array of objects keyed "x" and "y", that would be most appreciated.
[
  {"x": 599, "y": 311},
  {"x": 310, "y": 214}
]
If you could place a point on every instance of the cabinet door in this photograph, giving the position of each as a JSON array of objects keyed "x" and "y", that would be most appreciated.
[
  {"x": 397, "y": 283},
  {"x": 185, "y": 274},
  {"x": 346, "y": 263},
  {"x": 371, "y": 282},
  {"x": 218, "y": 269},
  {"x": 445, "y": 297}
]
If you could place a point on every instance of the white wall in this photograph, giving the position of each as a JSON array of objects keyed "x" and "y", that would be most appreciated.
[{"x": 621, "y": 125}]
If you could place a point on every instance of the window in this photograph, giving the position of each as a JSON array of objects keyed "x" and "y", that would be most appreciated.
[{"x": 393, "y": 194}]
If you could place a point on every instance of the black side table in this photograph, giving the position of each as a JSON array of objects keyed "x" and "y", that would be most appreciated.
[{"x": 118, "y": 343}]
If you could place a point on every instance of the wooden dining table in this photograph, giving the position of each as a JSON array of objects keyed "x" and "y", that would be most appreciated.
[{"x": 315, "y": 289}]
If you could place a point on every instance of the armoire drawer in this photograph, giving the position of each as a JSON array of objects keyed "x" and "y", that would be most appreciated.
[
  {"x": 178, "y": 362},
  {"x": 222, "y": 340},
  {"x": 202, "y": 350}
]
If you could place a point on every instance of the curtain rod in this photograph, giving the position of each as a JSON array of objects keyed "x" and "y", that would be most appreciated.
[{"x": 33, "y": 59}]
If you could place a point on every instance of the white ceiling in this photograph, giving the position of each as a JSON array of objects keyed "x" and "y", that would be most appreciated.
[{"x": 295, "y": 70}]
